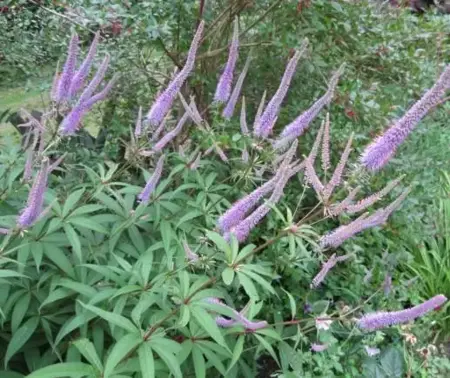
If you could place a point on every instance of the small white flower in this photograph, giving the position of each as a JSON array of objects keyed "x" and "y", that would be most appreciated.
[
  {"x": 323, "y": 324},
  {"x": 371, "y": 351}
]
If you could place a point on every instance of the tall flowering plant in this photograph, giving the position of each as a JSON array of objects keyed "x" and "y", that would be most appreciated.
[{"x": 180, "y": 274}]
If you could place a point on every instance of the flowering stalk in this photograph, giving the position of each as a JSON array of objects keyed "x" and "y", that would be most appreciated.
[
  {"x": 138, "y": 127},
  {"x": 165, "y": 100},
  {"x": 191, "y": 256},
  {"x": 62, "y": 92},
  {"x": 315, "y": 149},
  {"x": 96, "y": 80},
  {"x": 301, "y": 123},
  {"x": 326, "y": 267},
  {"x": 267, "y": 120},
  {"x": 312, "y": 178},
  {"x": 337, "y": 174},
  {"x": 35, "y": 202},
  {"x": 150, "y": 186},
  {"x": 80, "y": 76},
  {"x": 342, "y": 206},
  {"x": 229, "y": 109},
  {"x": 379, "y": 320},
  {"x": 326, "y": 145},
  {"x": 338, "y": 236},
  {"x": 171, "y": 134},
  {"x": 380, "y": 151},
  {"x": 226, "y": 79},
  {"x": 239, "y": 318},
  {"x": 368, "y": 201},
  {"x": 243, "y": 118},
  {"x": 260, "y": 109}
]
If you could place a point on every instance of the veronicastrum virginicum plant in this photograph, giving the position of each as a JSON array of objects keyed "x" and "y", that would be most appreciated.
[{"x": 116, "y": 278}]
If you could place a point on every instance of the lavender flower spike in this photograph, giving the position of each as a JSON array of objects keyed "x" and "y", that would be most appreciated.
[
  {"x": 326, "y": 145},
  {"x": 326, "y": 267},
  {"x": 66, "y": 76},
  {"x": 71, "y": 121},
  {"x": 229, "y": 109},
  {"x": 368, "y": 201},
  {"x": 95, "y": 82},
  {"x": 267, "y": 120},
  {"x": 380, "y": 151},
  {"x": 80, "y": 76},
  {"x": 379, "y": 320},
  {"x": 260, "y": 109},
  {"x": 171, "y": 134},
  {"x": 35, "y": 202},
  {"x": 165, "y": 100},
  {"x": 224, "y": 86},
  {"x": 150, "y": 186},
  {"x": 301, "y": 123}
]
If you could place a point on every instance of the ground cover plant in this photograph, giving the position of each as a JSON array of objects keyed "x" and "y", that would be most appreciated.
[{"x": 215, "y": 246}]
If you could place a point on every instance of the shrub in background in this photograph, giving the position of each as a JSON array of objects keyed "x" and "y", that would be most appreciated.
[{"x": 117, "y": 278}]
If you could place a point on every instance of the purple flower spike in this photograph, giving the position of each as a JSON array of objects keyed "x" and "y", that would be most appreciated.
[
  {"x": 100, "y": 96},
  {"x": 171, "y": 134},
  {"x": 35, "y": 202},
  {"x": 165, "y": 100},
  {"x": 65, "y": 79},
  {"x": 71, "y": 122},
  {"x": 379, "y": 152},
  {"x": 229, "y": 109},
  {"x": 224, "y": 86},
  {"x": 379, "y": 320},
  {"x": 80, "y": 76},
  {"x": 237, "y": 212},
  {"x": 301, "y": 123},
  {"x": 326, "y": 267},
  {"x": 267, "y": 120},
  {"x": 95, "y": 82},
  {"x": 150, "y": 186}
]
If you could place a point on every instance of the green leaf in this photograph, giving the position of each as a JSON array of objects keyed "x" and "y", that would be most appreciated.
[
  {"x": 119, "y": 351},
  {"x": 248, "y": 286},
  {"x": 220, "y": 242},
  {"x": 65, "y": 369},
  {"x": 237, "y": 351},
  {"x": 199, "y": 362},
  {"x": 88, "y": 223},
  {"x": 58, "y": 257},
  {"x": 292, "y": 304},
  {"x": 168, "y": 357},
  {"x": 20, "y": 309},
  {"x": 71, "y": 201},
  {"x": 86, "y": 209},
  {"x": 20, "y": 337},
  {"x": 267, "y": 347},
  {"x": 205, "y": 321},
  {"x": 72, "y": 324},
  {"x": 392, "y": 363},
  {"x": 146, "y": 361},
  {"x": 6, "y": 273},
  {"x": 10, "y": 374},
  {"x": 74, "y": 241},
  {"x": 228, "y": 276},
  {"x": 87, "y": 349},
  {"x": 113, "y": 318},
  {"x": 189, "y": 216}
]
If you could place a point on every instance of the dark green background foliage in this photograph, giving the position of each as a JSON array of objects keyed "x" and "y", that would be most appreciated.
[{"x": 100, "y": 287}]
